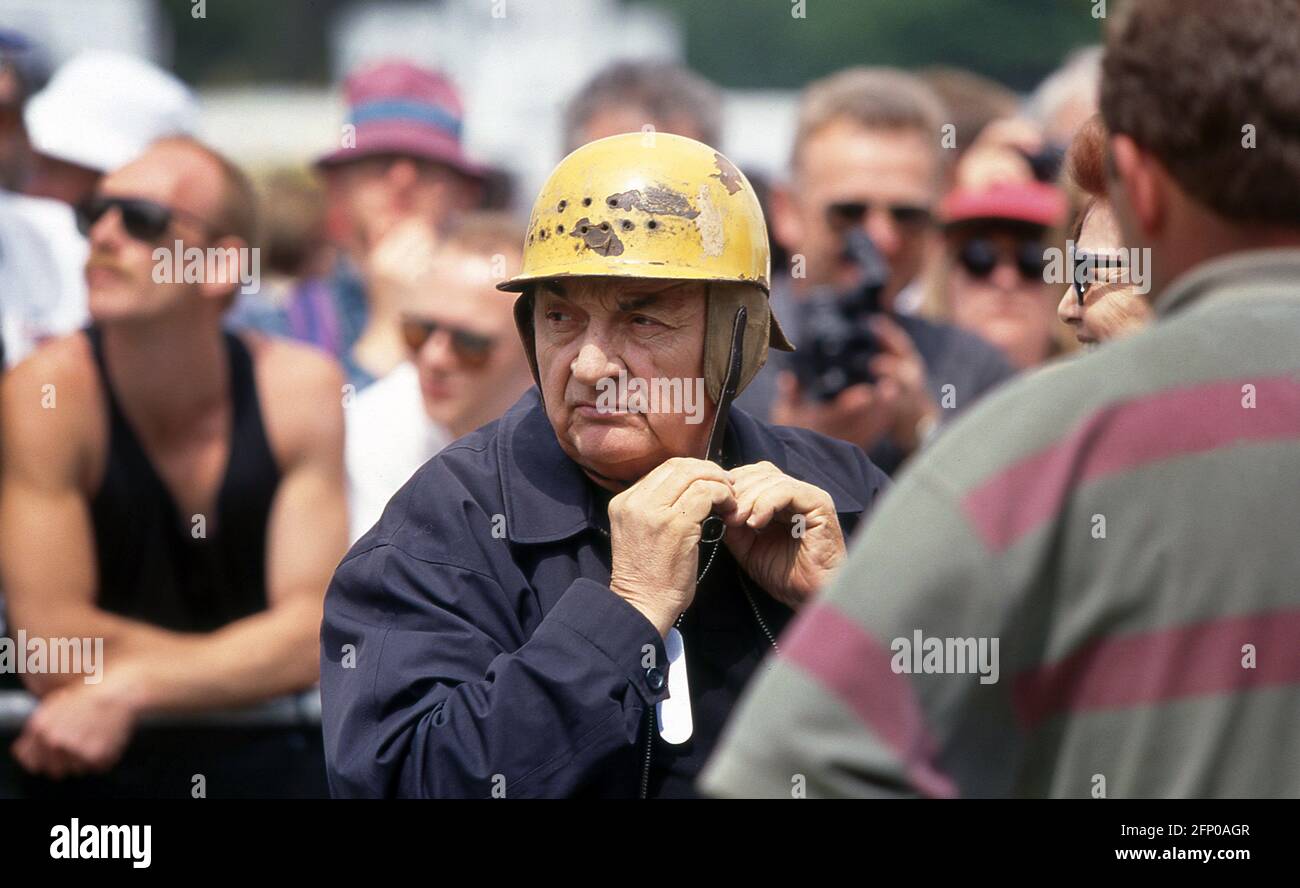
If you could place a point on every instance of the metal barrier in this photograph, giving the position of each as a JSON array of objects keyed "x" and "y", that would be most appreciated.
[{"x": 294, "y": 710}]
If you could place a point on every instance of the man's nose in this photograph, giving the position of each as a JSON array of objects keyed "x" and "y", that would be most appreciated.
[
  {"x": 1068, "y": 309},
  {"x": 593, "y": 363},
  {"x": 1005, "y": 277},
  {"x": 883, "y": 231},
  {"x": 402, "y": 172},
  {"x": 437, "y": 352},
  {"x": 107, "y": 233}
]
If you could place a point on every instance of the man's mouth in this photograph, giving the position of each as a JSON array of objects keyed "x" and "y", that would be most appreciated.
[
  {"x": 436, "y": 389},
  {"x": 97, "y": 272},
  {"x": 592, "y": 410}
]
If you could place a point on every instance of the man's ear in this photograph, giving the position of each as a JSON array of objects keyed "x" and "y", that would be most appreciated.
[
  {"x": 1137, "y": 183},
  {"x": 233, "y": 262},
  {"x": 787, "y": 224}
]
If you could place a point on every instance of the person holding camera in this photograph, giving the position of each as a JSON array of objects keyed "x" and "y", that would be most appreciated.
[
  {"x": 868, "y": 156},
  {"x": 548, "y": 607}
]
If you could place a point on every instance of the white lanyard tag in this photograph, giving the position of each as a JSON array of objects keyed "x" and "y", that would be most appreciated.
[{"x": 674, "y": 713}]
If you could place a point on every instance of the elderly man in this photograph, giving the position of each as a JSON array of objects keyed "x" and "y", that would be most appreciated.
[{"x": 540, "y": 611}]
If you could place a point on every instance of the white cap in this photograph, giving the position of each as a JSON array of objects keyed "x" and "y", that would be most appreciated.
[{"x": 102, "y": 109}]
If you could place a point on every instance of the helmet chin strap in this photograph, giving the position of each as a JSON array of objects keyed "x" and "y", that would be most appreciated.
[{"x": 713, "y": 527}]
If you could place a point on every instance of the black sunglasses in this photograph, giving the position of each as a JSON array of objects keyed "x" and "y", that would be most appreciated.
[
  {"x": 980, "y": 256},
  {"x": 144, "y": 220},
  {"x": 1086, "y": 268},
  {"x": 851, "y": 213},
  {"x": 471, "y": 349}
]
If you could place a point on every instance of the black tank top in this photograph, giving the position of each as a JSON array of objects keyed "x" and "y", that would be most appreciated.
[{"x": 153, "y": 566}]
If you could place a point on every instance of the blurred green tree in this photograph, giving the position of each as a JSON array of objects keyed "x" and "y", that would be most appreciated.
[
  {"x": 760, "y": 43},
  {"x": 751, "y": 44}
]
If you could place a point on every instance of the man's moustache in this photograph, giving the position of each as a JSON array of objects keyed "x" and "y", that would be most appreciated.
[{"x": 94, "y": 264}]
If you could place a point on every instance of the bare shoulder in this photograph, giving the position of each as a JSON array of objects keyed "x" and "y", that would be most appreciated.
[
  {"x": 65, "y": 360},
  {"x": 51, "y": 404},
  {"x": 290, "y": 367},
  {"x": 300, "y": 389}
]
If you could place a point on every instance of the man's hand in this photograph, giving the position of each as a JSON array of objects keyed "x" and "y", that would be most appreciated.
[
  {"x": 857, "y": 414},
  {"x": 901, "y": 383},
  {"x": 77, "y": 729},
  {"x": 783, "y": 533},
  {"x": 998, "y": 155},
  {"x": 399, "y": 262},
  {"x": 655, "y": 533}
]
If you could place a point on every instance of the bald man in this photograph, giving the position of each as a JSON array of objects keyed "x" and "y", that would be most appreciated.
[
  {"x": 174, "y": 490},
  {"x": 465, "y": 365}
]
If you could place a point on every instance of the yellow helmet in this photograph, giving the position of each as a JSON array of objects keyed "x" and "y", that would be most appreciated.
[{"x": 656, "y": 205}]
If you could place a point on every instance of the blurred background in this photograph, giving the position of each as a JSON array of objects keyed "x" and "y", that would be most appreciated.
[{"x": 266, "y": 73}]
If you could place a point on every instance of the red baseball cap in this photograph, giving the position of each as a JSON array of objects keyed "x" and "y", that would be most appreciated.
[{"x": 1033, "y": 202}]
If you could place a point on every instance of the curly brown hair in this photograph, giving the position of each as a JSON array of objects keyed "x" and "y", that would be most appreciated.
[
  {"x": 1085, "y": 167},
  {"x": 1185, "y": 78}
]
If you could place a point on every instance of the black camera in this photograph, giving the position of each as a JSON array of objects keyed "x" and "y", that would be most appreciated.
[
  {"x": 836, "y": 343},
  {"x": 1046, "y": 162}
]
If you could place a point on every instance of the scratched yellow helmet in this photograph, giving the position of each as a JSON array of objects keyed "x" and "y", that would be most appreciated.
[{"x": 655, "y": 205}]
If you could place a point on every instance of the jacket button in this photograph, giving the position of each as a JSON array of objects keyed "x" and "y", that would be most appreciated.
[{"x": 654, "y": 677}]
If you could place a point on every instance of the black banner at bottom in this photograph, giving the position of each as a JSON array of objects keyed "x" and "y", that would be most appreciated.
[{"x": 211, "y": 837}]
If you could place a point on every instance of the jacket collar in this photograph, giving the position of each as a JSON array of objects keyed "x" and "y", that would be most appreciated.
[{"x": 548, "y": 498}]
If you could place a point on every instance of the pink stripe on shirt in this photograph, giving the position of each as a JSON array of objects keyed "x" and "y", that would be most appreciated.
[
  {"x": 848, "y": 662},
  {"x": 1126, "y": 436}
]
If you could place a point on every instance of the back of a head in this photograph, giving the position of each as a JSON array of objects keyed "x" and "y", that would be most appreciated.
[
  {"x": 488, "y": 233},
  {"x": 1212, "y": 90},
  {"x": 670, "y": 96},
  {"x": 492, "y": 240},
  {"x": 972, "y": 100},
  {"x": 873, "y": 98},
  {"x": 1066, "y": 93}
]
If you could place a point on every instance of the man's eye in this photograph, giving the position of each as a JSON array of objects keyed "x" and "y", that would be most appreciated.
[
  {"x": 556, "y": 316},
  {"x": 643, "y": 321}
]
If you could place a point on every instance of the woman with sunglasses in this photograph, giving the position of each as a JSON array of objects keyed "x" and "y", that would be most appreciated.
[
  {"x": 991, "y": 280},
  {"x": 1102, "y": 303}
]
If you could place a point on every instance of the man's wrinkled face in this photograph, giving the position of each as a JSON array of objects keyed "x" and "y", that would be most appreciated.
[
  {"x": 461, "y": 331},
  {"x": 591, "y": 330},
  {"x": 884, "y": 181}
]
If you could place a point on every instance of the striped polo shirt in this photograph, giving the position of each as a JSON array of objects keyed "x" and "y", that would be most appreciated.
[{"x": 1089, "y": 586}]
